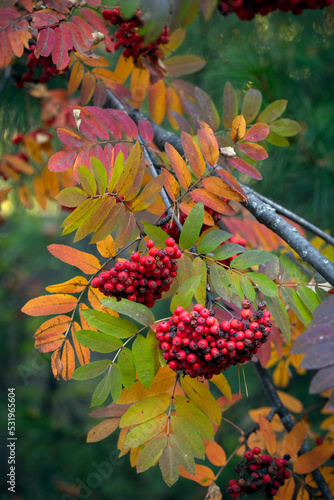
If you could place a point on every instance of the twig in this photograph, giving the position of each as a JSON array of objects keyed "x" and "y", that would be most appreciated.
[{"x": 288, "y": 423}]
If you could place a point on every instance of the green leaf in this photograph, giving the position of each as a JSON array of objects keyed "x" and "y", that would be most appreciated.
[
  {"x": 247, "y": 288},
  {"x": 264, "y": 284},
  {"x": 273, "y": 111},
  {"x": 277, "y": 309},
  {"x": 101, "y": 391},
  {"x": 151, "y": 453},
  {"x": 185, "y": 268},
  {"x": 277, "y": 140},
  {"x": 290, "y": 268},
  {"x": 143, "y": 360},
  {"x": 187, "y": 433},
  {"x": 221, "y": 280},
  {"x": 251, "y": 105},
  {"x": 145, "y": 410},
  {"x": 87, "y": 180},
  {"x": 156, "y": 234},
  {"x": 236, "y": 286},
  {"x": 285, "y": 127},
  {"x": 154, "y": 346},
  {"x": 184, "y": 294},
  {"x": 230, "y": 105},
  {"x": 212, "y": 240},
  {"x": 309, "y": 297},
  {"x": 127, "y": 367},
  {"x": 194, "y": 416},
  {"x": 296, "y": 304},
  {"x": 91, "y": 370},
  {"x": 128, "y": 7},
  {"x": 115, "y": 382},
  {"x": 192, "y": 227},
  {"x": 251, "y": 258},
  {"x": 97, "y": 341},
  {"x": 182, "y": 453},
  {"x": 202, "y": 398},
  {"x": 71, "y": 197},
  {"x": 200, "y": 270},
  {"x": 137, "y": 312},
  {"x": 100, "y": 174},
  {"x": 117, "y": 172},
  {"x": 80, "y": 215},
  {"x": 111, "y": 325},
  {"x": 228, "y": 250},
  {"x": 169, "y": 465},
  {"x": 143, "y": 432}
]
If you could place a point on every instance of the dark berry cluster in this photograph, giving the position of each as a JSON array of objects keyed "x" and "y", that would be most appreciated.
[
  {"x": 247, "y": 9},
  {"x": 197, "y": 344},
  {"x": 237, "y": 241},
  {"x": 128, "y": 36},
  {"x": 259, "y": 473},
  {"x": 173, "y": 231},
  {"x": 142, "y": 278},
  {"x": 49, "y": 69}
]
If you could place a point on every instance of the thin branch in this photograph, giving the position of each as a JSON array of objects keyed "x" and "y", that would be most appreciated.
[
  {"x": 294, "y": 217},
  {"x": 288, "y": 423}
]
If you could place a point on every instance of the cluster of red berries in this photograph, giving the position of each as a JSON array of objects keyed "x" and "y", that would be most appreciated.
[
  {"x": 128, "y": 36},
  {"x": 247, "y": 9},
  {"x": 173, "y": 231},
  {"x": 238, "y": 241},
  {"x": 259, "y": 473},
  {"x": 49, "y": 71},
  {"x": 142, "y": 278},
  {"x": 197, "y": 344}
]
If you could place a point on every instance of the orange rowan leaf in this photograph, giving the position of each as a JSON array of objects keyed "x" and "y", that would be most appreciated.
[
  {"x": 74, "y": 285},
  {"x": 221, "y": 189},
  {"x": 57, "y": 324},
  {"x": 215, "y": 453},
  {"x": 212, "y": 201},
  {"x": 49, "y": 341},
  {"x": 268, "y": 434},
  {"x": 86, "y": 262},
  {"x": 83, "y": 352},
  {"x": 123, "y": 68},
  {"x": 203, "y": 475},
  {"x": 233, "y": 183},
  {"x": 286, "y": 491},
  {"x": 173, "y": 103},
  {"x": 187, "y": 207},
  {"x": 106, "y": 247},
  {"x": 138, "y": 86},
  {"x": 51, "y": 182},
  {"x": 156, "y": 96},
  {"x": 102, "y": 430},
  {"x": 56, "y": 364},
  {"x": 293, "y": 404},
  {"x": 95, "y": 297},
  {"x": 294, "y": 439},
  {"x": 85, "y": 325},
  {"x": 68, "y": 361},
  {"x": 193, "y": 154},
  {"x": 87, "y": 88},
  {"x": 171, "y": 185},
  {"x": 208, "y": 144},
  {"x": 303, "y": 494},
  {"x": 99, "y": 62},
  {"x": 313, "y": 459},
  {"x": 179, "y": 166},
  {"x": 238, "y": 128},
  {"x": 39, "y": 190},
  {"x": 25, "y": 196},
  {"x": 149, "y": 193},
  {"x": 49, "y": 304},
  {"x": 18, "y": 164}
]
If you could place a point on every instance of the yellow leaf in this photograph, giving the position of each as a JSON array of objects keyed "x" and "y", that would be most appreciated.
[
  {"x": 202, "y": 398},
  {"x": 290, "y": 402},
  {"x": 221, "y": 382},
  {"x": 25, "y": 196},
  {"x": 179, "y": 166},
  {"x": 73, "y": 285},
  {"x": 203, "y": 475},
  {"x": 145, "y": 410},
  {"x": 68, "y": 361},
  {"x": 281, "y": 374},
  {"x": 171, "y": 185},
  {"x": 238, "y": 128},
  {"x": 106, "y": 247},
  {"x": 87, "y": 88},
  {"x": 286, "y": 491},
  {"x": 156, "y": 96},
  {"x": 173, "y": 103},
  {"x": 313, "y": 459},
  {"x": 77, "y": 74},
  {"x": 163, "y": 380},
  {"x": 138, "y": 86},
  {"x": 303, "y": 494},
  {"x": 39, "y": 190},
  {"x": 123, "y": 68},
  {"x": 268, "y": 434}
]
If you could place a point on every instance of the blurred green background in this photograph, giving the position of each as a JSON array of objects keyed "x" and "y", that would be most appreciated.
[{"x": 283, "y": 56}]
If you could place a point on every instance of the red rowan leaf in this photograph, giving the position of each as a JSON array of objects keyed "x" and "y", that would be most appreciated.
[
  {"x": 193, "y": 154},
  {"x": 156, "y": 96},
  {"x": 70, "y": 138},
  {"x": 46, "y": 17},
  {"x": 86, "y": 262},
  {"x": 98, "y": 24},
  {"x": 126, "y": 229},
  {"x": 178, "y": 121},
  {"x": 146, "y": 130},
  {"x": 59, "y": 5},
  {"x": 45, "y": 42},
  {"x": 253, "y": 150},
  {"x": 208, "y": 144},
  {"x": 49, "y": 304},
  {"x": 106, "y": 118},
  {"x": 88, "y": 124},
  {"x": 128, "y": 125},
  {"x": 63, "y": 43},
  {"x": 257, "y": 132},
  {"x": 100, "y": 95},
  {"x": 68, "y": 361},
  {"x": 81, "y": 34},
  {"x": 102, "y": 430},
  {"x": 193, "y": 111},
  {"x": 112, "y": 410},
  {"x": 179, "y": 166},
  {"x": 245, "y": 168},
  {"x": 313, "y": 459},
  {"x": 183, "y": 65},
  {"x": 268, "y": 434},
  {"x": 61, "y": 161},
  {"x": 212, "y": 201},
  {"x": 230, "y": 105}
]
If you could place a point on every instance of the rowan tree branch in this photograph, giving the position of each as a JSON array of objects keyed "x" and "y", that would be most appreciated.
[
  {"x": 263, "y": 212},
  {"x": 288, "y": 423}
]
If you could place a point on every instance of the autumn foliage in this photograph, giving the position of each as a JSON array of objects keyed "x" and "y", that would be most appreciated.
[{"x": 232, "y": 290}]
